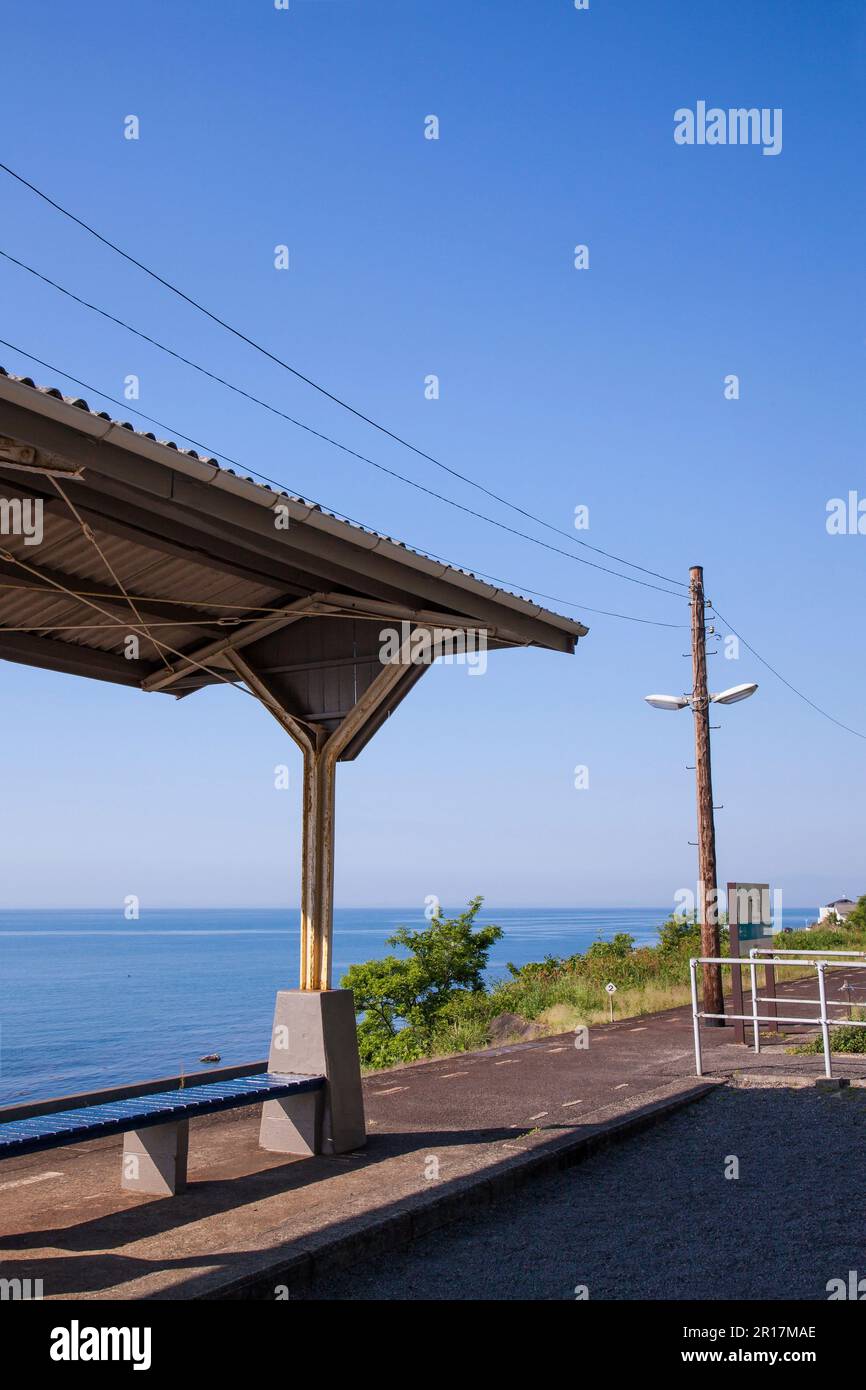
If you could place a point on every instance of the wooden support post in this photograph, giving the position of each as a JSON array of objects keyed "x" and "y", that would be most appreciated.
[
  {"x": 708, "y": 896},
  {"x": 317, "y": 871}
]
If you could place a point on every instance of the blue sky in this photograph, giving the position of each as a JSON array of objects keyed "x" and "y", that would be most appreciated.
[{"x": 558, "y": 387}]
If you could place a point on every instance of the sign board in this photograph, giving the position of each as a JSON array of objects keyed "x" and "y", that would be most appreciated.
[
  {"x": 750, "y": 921},
  {"x": 749, "y": 911}
]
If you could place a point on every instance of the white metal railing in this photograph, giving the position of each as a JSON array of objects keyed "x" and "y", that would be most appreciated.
[
  {"x": 792, "y": 999},
  {"x": 774, "y": 951},
  {"x": 752, "y": 962}
]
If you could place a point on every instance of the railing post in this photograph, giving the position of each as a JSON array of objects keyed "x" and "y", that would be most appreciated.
[
  {"x": 735, "y": 951},
  {"x": 825, "y": 1030},
  {"x": 754, "y": 978},
  {"x": 693, "y": 974}
]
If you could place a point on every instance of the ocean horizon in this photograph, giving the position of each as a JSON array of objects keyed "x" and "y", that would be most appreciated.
[{"x": 88, "y": 999}]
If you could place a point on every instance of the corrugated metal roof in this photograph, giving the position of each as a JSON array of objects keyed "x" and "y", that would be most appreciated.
[
  {"x": 271, "y": 496},
  {"x": 144, "y": 572}
]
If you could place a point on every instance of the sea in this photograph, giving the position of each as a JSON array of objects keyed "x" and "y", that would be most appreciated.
[{"x": 89, "y": 999}]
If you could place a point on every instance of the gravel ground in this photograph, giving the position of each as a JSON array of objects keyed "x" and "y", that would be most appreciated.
[{"x": 657, "y": 1218}]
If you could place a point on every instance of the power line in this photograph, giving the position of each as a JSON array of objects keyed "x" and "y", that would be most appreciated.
[
  {"x": 275, "y": 410},
  {"x": 779, "y": 676},
  {"x": 569, "y": 603},
  {"x": 399, "y": 439},
  {"x": 375, "y": 425},
  {"x": 234, "y": 463}
]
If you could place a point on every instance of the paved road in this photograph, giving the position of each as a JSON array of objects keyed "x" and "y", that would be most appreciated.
[{"x": 659, "y": 1220}]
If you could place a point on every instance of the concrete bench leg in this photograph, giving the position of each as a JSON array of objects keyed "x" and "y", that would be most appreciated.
[
  {"x": 293, "y": 1124},
  {"x": 155, "y": 1158},
  {"x": 314, "y": 1034}
]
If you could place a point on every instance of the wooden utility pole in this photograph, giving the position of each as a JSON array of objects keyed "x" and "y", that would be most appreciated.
[{"x": 708, "y": 897}]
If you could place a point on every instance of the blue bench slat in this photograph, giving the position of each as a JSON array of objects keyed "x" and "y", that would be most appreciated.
[{"x": 161, "y": 1107}]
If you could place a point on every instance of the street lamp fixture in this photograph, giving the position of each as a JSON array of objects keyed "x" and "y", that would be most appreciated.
[
  {"x": 667, "y": 701},
  {"x": 735, "y": 694},
  {"x": 725, "y": 697}
]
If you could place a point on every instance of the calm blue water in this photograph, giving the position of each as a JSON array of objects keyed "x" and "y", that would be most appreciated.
[{"x": 88, "y": 999}]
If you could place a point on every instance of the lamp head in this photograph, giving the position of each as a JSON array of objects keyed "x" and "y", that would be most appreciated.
[
  {"x": 667, "y": 701},
  {"x": 736, "y": 693}
]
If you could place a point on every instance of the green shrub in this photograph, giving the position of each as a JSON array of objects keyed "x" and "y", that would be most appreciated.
[
  {"x": 402, "y": 999},
  {"x": 843, "y": 1038},
  {"x": 856, "y": 920}
]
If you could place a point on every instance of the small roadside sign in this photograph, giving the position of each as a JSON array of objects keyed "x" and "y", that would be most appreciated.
[{"x": 611, "y": 991}]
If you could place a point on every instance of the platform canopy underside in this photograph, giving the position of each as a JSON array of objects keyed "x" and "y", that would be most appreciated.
[{"x": 149, "y": 566}]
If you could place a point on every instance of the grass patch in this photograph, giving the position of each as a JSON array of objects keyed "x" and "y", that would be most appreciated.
[{"x": 843, "y": 1038}]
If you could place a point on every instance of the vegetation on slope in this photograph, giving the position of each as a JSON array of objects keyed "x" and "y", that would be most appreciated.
[{"x": 432, "y": 1000}]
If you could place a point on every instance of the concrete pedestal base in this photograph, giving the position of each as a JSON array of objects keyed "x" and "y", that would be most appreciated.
[
  {"x": 314, "y": 1033},
  {"x": 155, "y": 1159}
]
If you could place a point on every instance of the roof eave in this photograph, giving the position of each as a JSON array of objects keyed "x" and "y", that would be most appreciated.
[{"x": 71, "y": 429}]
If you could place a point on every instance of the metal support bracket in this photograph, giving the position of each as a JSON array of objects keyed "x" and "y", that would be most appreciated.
[{"x": 321, "y": 752}]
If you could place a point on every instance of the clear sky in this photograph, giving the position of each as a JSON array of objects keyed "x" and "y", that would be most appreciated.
[{"x": 559, "y": 387}]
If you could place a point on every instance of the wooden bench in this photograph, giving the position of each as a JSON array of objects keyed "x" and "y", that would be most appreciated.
[{"x": 156, "y": 1126}]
